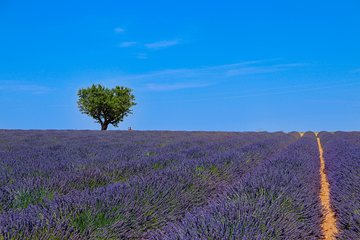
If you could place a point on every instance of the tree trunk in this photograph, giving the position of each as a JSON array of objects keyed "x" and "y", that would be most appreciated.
[{"x": 104, "y": 126}]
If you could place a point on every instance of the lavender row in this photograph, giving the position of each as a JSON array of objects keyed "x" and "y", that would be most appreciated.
[
  {"x": 353, "y": 137},
  {"x": 342, "y": 161},
  {"x": 200, "y": 168},
  {"x": 34, "y": 167},
  {"x": 130, "y": 209},
  {"x": 278, "y": 200}
]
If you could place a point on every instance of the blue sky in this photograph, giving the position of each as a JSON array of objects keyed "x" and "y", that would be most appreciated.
[{"x": 193, "y": 65}]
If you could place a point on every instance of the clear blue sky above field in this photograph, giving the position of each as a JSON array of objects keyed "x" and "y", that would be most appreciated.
[{"x": 193, "y": 65}]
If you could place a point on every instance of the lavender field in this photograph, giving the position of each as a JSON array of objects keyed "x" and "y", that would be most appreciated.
[{"x": 175, "y": 185}]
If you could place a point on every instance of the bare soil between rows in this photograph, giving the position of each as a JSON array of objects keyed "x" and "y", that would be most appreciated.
[{"x": 328, "y": 225}]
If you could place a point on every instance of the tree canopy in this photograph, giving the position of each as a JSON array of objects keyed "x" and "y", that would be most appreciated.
[{"x": 105, "y": 105}]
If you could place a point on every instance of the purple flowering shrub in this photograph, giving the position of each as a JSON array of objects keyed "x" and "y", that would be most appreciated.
[
  {"x": 173, "y": 185},
  {"x": 82, "y": 184},
  {"x": 342, "y": 154},
  {"x": 277, "y": 200}
]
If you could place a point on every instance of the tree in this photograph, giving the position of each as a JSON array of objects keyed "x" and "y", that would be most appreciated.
[{"x": 106, "y": 106}]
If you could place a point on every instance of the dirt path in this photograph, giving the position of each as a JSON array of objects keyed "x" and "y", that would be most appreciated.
[{"x": 328, "y": 225}]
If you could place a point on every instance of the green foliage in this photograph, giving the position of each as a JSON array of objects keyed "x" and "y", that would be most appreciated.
[
  {"x": 106, "y": 106},
  {"x": 158, "y": 166},
  {"x": 87, "y": 220},
  {"x": 120, "y": 178},
  {"x": 90, "y": 183},
  {"x": 200, "y": 169},
  {"x": 148, "y": 154},
  {"x": 24, "y": 198},
  {"x": 82, "y": 220},
  {"x": 214, "y": 169}
]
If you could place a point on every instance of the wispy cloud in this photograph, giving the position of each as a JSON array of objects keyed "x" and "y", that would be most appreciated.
[
  {"x": 141, "y": 56},
  {"x": 175, "y": 86},
  {"x": 127, "y": 44},
  {"x": 296, "y": 89},
  {"x": 162, "y": 44},
  {"x": 8, "y": 86},
  {"x": 227, "y": 71},
  {"x": 119, "y": 30},
  {"x": 246, "y": 70},
  {"x": 173, "y": 79}
]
